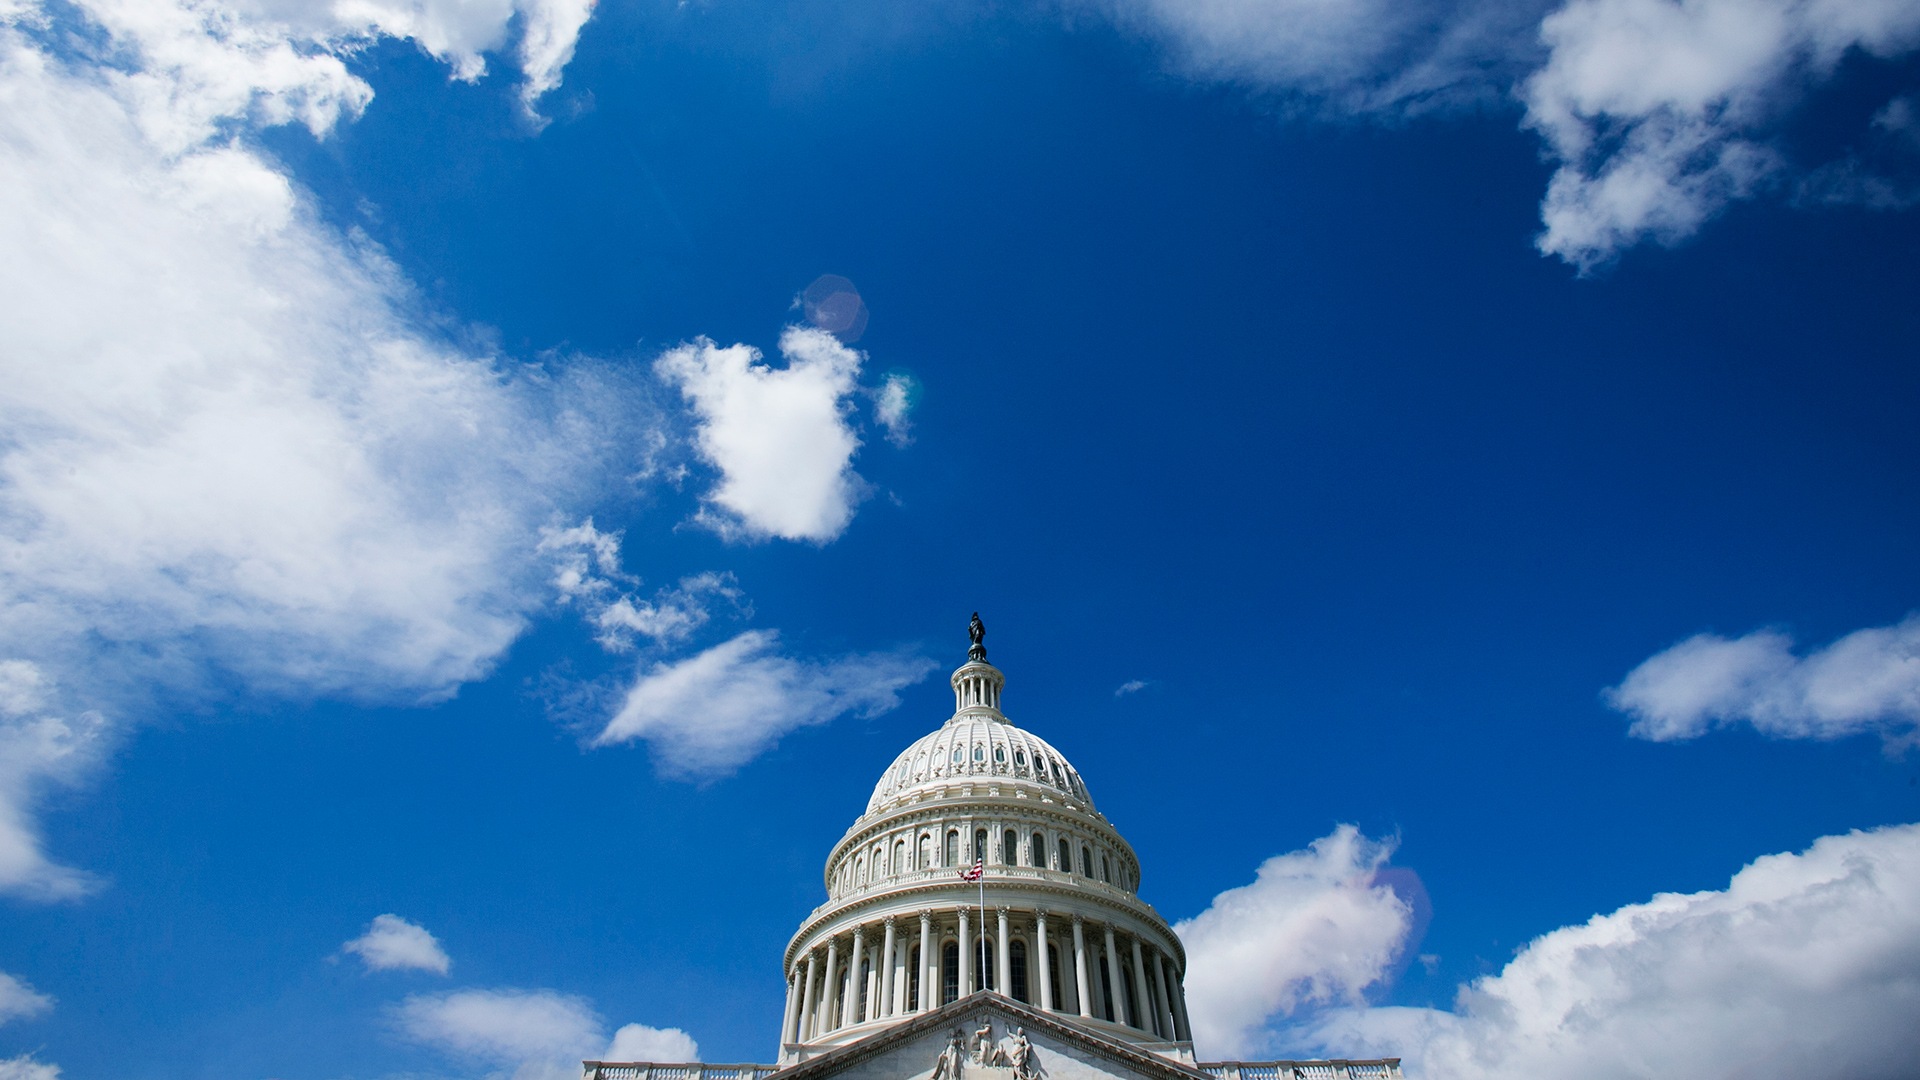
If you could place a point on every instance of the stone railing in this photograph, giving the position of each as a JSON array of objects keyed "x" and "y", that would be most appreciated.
[
  {"x": 1337, "y": 1069},
  {"x": 650, "y": 1070}
]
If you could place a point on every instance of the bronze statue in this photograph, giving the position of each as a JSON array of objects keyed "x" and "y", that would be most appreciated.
[{"x": 977, "y": 633}]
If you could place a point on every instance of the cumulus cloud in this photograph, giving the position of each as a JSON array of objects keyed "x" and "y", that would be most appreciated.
[
  {"x": 587, "y": 574},
  {"x": 25, "y": 1067},
  {"x": 638, "y": 1042},
  {"x": 236, "y": 452},
  {"x": 779, "y": 436},
  {"x": 18, "y": 1001},
  {"x": 1349, "y": 56},
  {"x": 1661, "y": 112},
  {"x": 1805, "y": 965},
  {"x": 1868, "y": 680},
  {"x": 1315, "y": 927},
  {"x": 391, "y": 943},
  {"x": 708, "y": 714},
  {"x": 529, "y": 1034}
]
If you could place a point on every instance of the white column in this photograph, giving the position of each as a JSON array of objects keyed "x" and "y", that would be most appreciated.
[
  {"x": 1178, "y": 993},
  {"x": 926, "y": 961},
  {"x": 1080, "y": 966},
  {"x": 1003, "y": 958},
  {"x": 1041, "y": 950},
  {"x": 1143, "y": 1001},
  {"x": 829, "y": 985},
  {"x": 885, "y": 1005},
  {"x": 851, "y": 997},
  {"x": 1166, "y": 999},
  {"x": 805, "y": 1030},
  {"x": 792, "y": 1015},
  {"x": 1114, "y": 986},
  {"x": 966, "y": 956}
]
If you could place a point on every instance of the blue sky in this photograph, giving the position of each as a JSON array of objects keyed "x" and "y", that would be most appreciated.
[{"x": 486, "y": 488}]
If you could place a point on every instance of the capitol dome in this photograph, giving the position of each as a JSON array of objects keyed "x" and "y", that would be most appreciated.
[{"x": 981, "y": 865}]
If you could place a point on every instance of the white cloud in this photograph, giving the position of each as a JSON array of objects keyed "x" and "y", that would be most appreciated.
[
  {"x": 1806, "y": 965},
  {"x": 18, "y": 1001},
  {"x": 1131, "y": 686},
  {"x": 710, "y": 713},
  {"x": 236, "y": 452},
  {"x": 779, "y": 436},
  {"x": 891, "y": 405},
  {"x": 1661, "y": 112},
  {"x": 638, "y": 1042},
  {"x": 1349, "y": 56},
  {"x": 25, "y": 1067},
  {"x": 1315, "y": 927},
  {"x": 391, "y": 943},
  {"x": 586, "y": 573},
  {"x": 528, "y": 1034},
  {"x": 1868, "y": 680}
]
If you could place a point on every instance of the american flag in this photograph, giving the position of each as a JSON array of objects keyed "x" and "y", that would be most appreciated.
[{"x": 973, "y": 874}]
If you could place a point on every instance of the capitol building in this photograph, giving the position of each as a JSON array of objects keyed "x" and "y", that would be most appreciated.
[{"x": 983, "y": 920}]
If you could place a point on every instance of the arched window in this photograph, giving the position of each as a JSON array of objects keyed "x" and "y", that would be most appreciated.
[
  {"x": 1010, "y": 848},
  {"x": 1106, "y": 869},
  {"x": 860, "y": 1000},
  {"x": 860, "y": 870},
  {"x": 1017, "y": 954},
  {"x": 1066, "y": 858},
  {"x": 1086, "y": 862},
  {"x": 926, "y": 850},
  {"x": 1037, "y": 851},
  {"x": 953, "y": 847},
  {"x": 899, "y": 856},
  {"x": 950, "y": 972}
]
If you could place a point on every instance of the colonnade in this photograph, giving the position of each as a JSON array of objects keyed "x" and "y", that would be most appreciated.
[{"x": 887, "y": 970}]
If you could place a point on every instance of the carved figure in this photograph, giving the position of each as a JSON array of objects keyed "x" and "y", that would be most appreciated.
[
  {"x": 976, "y": 636},
  {"x": 983, "y": 1045},
  {"x": 1021, "y": 1056},
  {"x": 947, "y": 1066}
]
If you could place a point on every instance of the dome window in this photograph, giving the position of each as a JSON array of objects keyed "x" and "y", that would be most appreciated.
[
  {"x": 999, "y": 755},
  {"x": 1041, "y": 763},
  {"x": 959, "y": 755},
  {"x": 979, "y": 752},
  {"x": 1020, "y": 758}
]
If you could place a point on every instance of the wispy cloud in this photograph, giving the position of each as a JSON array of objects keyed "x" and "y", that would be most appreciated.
[
  {"x": 708, "y": 714},
  {"x": 1131, "y": 686},
  {"x": 19, "y": 1001},
  {"x": 1660, "y": 113},
  {"x": 1315, "y": 927},
  {"x": 391, "y": 943},
  {"x": 587, "y": 575},
  {"x": 1656, "y": 113},
  {"x": 531, "y": 1034},
  {"x": 779, "y": 436},
  {"x": 1805, "y": 965},
  {"x": 25, "y": 1067},
  {"x": 1868, "y": 680},
  {"x": 239, "y": 453}
]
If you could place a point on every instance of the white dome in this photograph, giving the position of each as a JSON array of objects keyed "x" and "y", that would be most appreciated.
[{"x": 978, "y": 746}]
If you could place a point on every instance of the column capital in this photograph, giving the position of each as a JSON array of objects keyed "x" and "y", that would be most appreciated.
[
  {"x": 1079, "y": 919},
  {"x": 1040, "y": 912},
  {"x": 1003, "y": 911},
  {"x": 926, "y": 916},
  {"x": 889, "y": 920}
]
